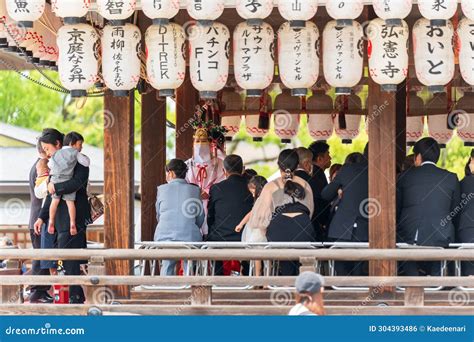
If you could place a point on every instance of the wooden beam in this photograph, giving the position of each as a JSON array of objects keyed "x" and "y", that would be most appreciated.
[
  {"x": 153, "y": 148},
  {"x": 119, "y": 181},
  {"x": 153, "y": 159},
  {"x": 186, "y": 100},
  {"x": 382, "y": 118}
]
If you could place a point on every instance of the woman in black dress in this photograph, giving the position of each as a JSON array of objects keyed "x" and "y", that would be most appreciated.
[{"x": 291, "y": 221}]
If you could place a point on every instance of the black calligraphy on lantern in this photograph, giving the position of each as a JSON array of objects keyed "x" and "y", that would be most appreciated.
[
  {"x": 252, "y": 45},
  {"x": 21, "y": 6},
  {"x": 75, "y": 55},
  {"x": 163, "y": 52},
  {"x": 438, "y": 5},
  {"x": 117, "y": 45},
  {"x": 253, "y": 5},
  {"x": 296, "y": 6},
  {"x": 210, "y": 51},
  {"x": 434, "y": 48},
  {"x": 198, "y": 5},
  {"x": 157, "y": 4},
  {"x": 114, "y": 6}
]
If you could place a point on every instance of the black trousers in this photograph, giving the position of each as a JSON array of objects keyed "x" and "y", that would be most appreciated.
[
  {"x": 35, "y": 266},
  {"x": 73, "y": 267}
]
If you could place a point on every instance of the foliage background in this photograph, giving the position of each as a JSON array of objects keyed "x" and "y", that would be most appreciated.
[{"x": 25, "y": 104}]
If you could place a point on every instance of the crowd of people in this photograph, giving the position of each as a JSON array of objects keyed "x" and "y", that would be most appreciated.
[
  {"x": 302, "y": 205},
  {"x": 218, "y": 199}
]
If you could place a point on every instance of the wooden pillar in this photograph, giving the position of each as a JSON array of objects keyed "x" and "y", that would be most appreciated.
[
  {"x": 153, "y": 159},
  {"x": 186, "y": 100},
  {"x": 382, "y": 120},
  {"x": 119, "y": 182}
]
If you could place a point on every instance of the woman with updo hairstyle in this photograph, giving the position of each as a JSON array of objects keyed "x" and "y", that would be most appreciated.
[
  {"x": 284, "y": 208},
  {"x": 179, "y": 212}
]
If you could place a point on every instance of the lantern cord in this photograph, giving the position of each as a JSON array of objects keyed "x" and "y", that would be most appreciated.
[
  {"x": 58, "y": 87},
  {"x": 37, "y": 69}
]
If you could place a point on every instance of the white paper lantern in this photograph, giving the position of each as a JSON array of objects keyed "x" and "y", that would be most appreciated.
[
  {"x": 352, "y": 128},
  {"x": 166, "y": 57},
  {"x": 160, "y": 10},
  {"x": 438, "y": 11},
  {"x": 298, "y": 57},
  {"x": 254, "y": 10},
  {"x": 251, "y": 123},
  {"x": 434, "y": 55},
  {"x": 121, "y": 46},
  {"x": 232, "y": 125},
  {"x": 388, "y": 53},
  {"x": 465, "y": 33},
  {"x": 297, "y": 12},
  {"x": 320, "y": 120},
  {"x": 466, "y": 130},
  {"x": 344, "y": 11},
  {"x": 209, "y": 58},
  {"x": 343, "y": 56},
  {"x": 117, "y": 11},
  {"x": 78, "y": 57},
  {"x": 392, "y": 11},
  {"x": 70, "y": 10},
  {"x": 438, "y": 129},
  {"x": 468, "y": 8},
  {"x": 286, "y": 125},
  {"x": 414, "y": 129},
  {"x": 25, "y": 12},
  {"x": 205, "y": 10},
  {"x": 253, "y": 57}
]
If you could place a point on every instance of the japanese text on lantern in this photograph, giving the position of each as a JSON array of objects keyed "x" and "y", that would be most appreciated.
[
  {"x": 114, "y": 7},
  {"x": 434, "y": 46},
  {"x": 212, "y": 52},
  {"x": 118, "y": 44},
  {"x": 250, "y": 49},
  {"x": 298, "y": 54},
  {"x": 75, "y": 54},
  {"x": 253, "y": 5},
  {"x": 163, "y": 54},
  {"x": 390, "y": 48},
  {"x": 21, "y": 6}
]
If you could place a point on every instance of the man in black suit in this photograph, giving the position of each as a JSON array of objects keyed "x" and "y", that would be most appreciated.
[
  {"x": 229, "y": 202},
  {"x": 78, "y": 184},
  {"x": 304, "y": 171},
  {"x": 321, "y": 162},
  {"x": 39, "y": 294},
  {"x": 427, "y": 201},
  {"x": 350, "y": 222}
]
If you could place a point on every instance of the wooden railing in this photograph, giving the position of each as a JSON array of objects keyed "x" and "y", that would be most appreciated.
[
  {"x": 97, "y": 282},
  {"x": 20, "y": 234}
]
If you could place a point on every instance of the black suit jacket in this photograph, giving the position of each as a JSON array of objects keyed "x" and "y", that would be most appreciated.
[
  {"x": 353, "y": 179},
  {"x": 322, "y": 207},
  {"x": 427, "y": 198},
  {"x": 35, "y": 206},
  {"x": 78, "y": 184},
  {"x": 465, "y": 221},
  {"x": 316, "y": 197},
  {"x": 229, "y": 202}
]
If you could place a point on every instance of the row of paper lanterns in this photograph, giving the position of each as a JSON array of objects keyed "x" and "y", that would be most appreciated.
[
  {"x": 323, "y": 119},
  {"x": 295, "y": 11},
  {"x": 322, "y": 126},
  {"x": 253, "y": 49},
  {"x": 298, "y": 48}
]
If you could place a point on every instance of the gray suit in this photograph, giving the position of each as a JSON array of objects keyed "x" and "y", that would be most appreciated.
[{"x": 180, "y": 215}]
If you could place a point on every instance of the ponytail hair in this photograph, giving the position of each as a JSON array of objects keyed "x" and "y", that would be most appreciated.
[{"x": 288, "y": 162}]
